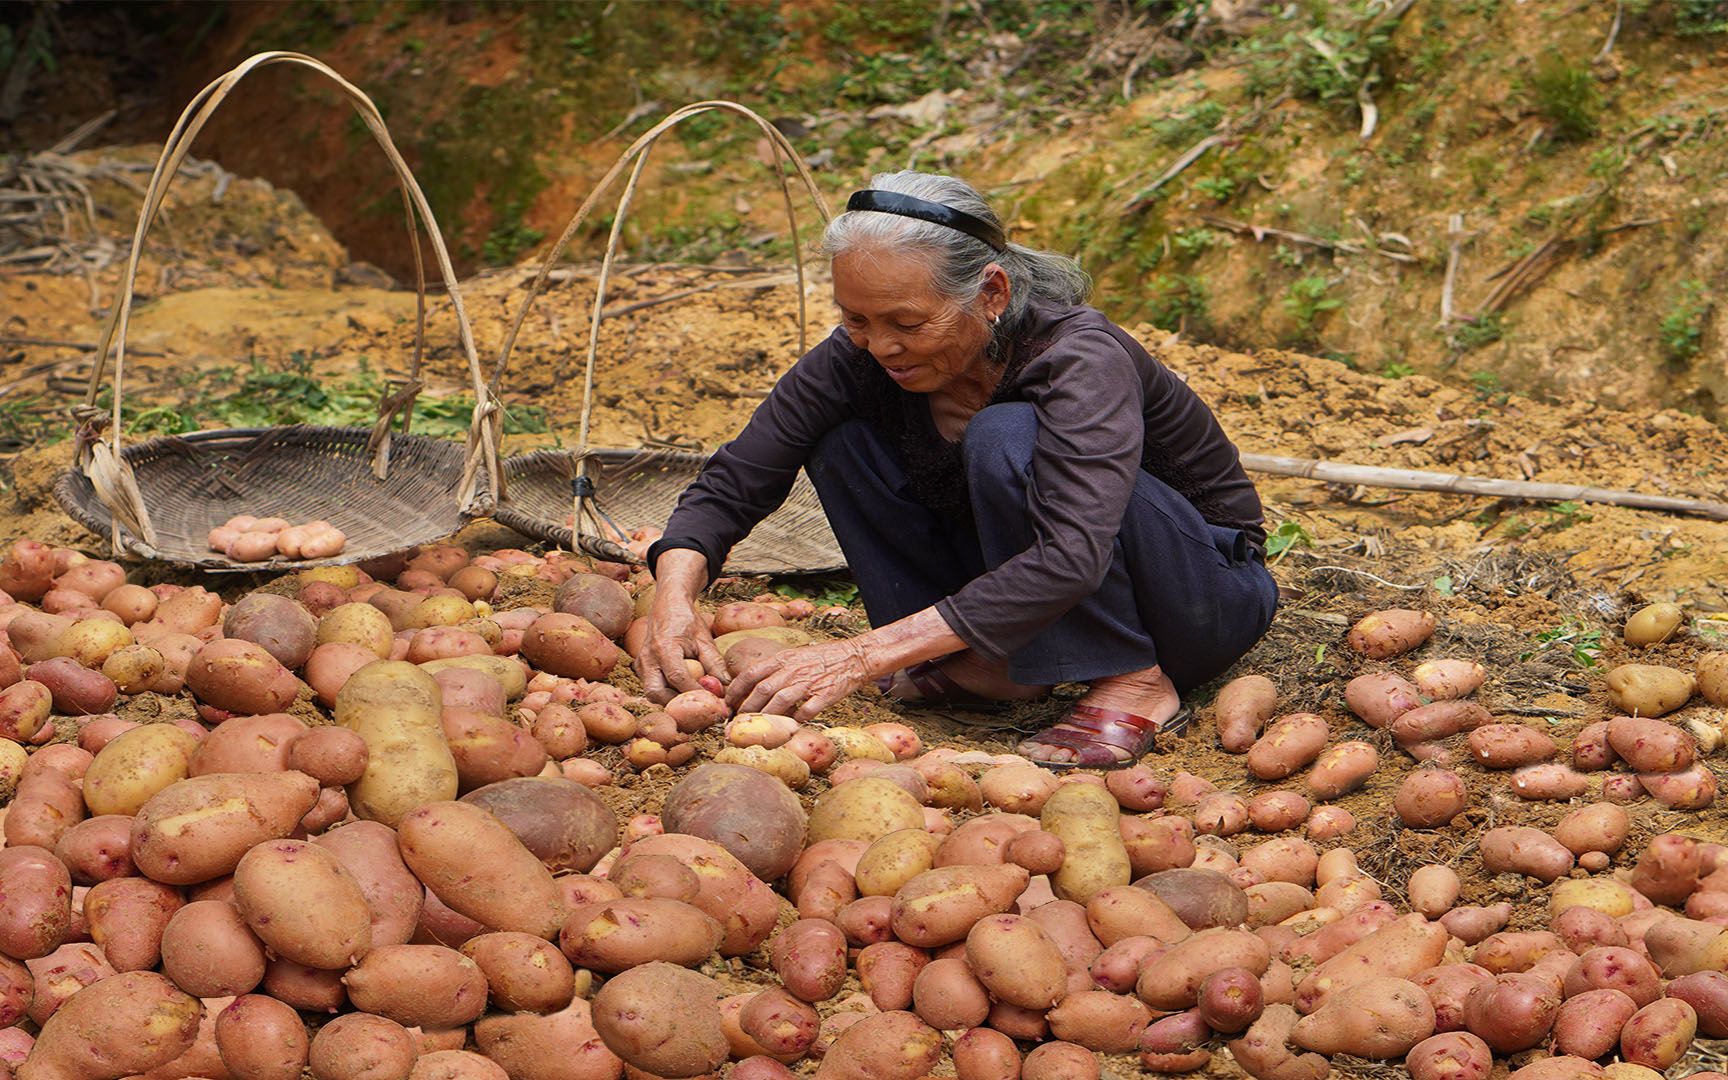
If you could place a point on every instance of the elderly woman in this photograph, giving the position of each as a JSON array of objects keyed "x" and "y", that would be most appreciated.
[{"x": 1023, "y": 494}]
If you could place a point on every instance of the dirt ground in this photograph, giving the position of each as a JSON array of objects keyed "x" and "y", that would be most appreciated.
[{"x": 1534, "y": 592}]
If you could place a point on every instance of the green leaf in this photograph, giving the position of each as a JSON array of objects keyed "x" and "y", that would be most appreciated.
[{"x": 1443, "y": 585}]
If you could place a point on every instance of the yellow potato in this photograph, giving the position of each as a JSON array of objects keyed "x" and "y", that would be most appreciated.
[
  {"x": 893, "y": 860},
  {"x": 1083, "y": 817},
  {"x": 1653, "y": 624},
  {"x": 1649, "y": 689},
  {"x": 358, "y": 624},
  {"x": 136, "y": 765},
  {"x": 92, "y": 641},
  {"x": 863, "y": 809},
  {"x": 397, "y": 708}
]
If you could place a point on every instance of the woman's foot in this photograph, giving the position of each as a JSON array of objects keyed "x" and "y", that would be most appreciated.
[
  {"x": 1113, "y": 724},
  {"x": 962, "y": 678}
]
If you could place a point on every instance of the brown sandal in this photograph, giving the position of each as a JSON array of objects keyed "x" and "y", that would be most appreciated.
[
  {"x": 938, "y": 690},
  {"x": 1092, "y": 732}
]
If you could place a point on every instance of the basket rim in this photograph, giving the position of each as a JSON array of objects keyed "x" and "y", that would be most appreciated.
[
  {"x": 76, "y": 496},
  {"x": 556, "y": 532}
]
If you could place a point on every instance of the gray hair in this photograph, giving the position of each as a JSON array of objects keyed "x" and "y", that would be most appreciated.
[{"x": 956, "y": 259}]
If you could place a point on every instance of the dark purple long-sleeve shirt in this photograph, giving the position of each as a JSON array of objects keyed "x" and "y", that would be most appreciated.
[{"x": 1106, "y": 409}]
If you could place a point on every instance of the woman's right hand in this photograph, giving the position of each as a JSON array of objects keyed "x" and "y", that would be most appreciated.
[{"x": 676, "y": 632}]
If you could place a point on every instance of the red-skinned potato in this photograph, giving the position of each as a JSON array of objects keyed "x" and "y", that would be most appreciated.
[
  {"x": 780, "y": 1023},
  {"x": 1016, "y": 961},
  {"x": 304, "y": 906},
  {"x": 1524, "y": 850},
  {"x": 201, "y": 827},
  {"x": 330, "y": 755},
  {"x": 1403, "y": 949},
  {"x": 127, "y": 917},
  {"x": 810, "y": 958},
  {"x": 1376, "y": 1018},
  {"x": 570, "y": 646},
  {"x": 443, "y": 841},
  {"x": 662, "y": 1019},
  {"x": 1381, "y": 635},
  {"x": 208, "y": 951},
  {"x": 1264, "y": 1052},
  {"x": 1588, "y": 1024},
  {"x": 427, "y": 986},
  {"x": 260, "y": 1038},
  {"x": 564, "y": 824},
  {"x": 240, "y": 677},
  {"x": 1342, "y": 769},
  {"x": 1174, "y": 982},
  {"x": 97, "y": 849},
  {"x": 1659, "y": 1034},
  {"x": 1242, "y": 709},
  {"x": 985, "y": 1054},
  {"x": 282, "y": 627},
  {"x": 1448, "y": 987},
  {"x": 524, "y": 973},
  {"x": 886, "y": 1046},
  {"x": 1291, "y": 743},
  {"x": 38, "y": 910},
  {"x": 121, "y": 1026},
  {"x": 622, "y": 934},
  {"x": 600, "y": 600},
  {"x": 1200, "y": 898},
  {"x": 75, "y": 689},
  {"x": 1452, "y": 1055},
  {"x": 1515, "y": 1013},
  {"x": 360, "y": 1046}
]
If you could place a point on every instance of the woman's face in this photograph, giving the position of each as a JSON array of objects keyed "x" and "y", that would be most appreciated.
[{"x": 924, "y": 341}]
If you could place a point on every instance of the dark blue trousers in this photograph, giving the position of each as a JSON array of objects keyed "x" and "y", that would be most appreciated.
[{"x": 1180, "y": 593}]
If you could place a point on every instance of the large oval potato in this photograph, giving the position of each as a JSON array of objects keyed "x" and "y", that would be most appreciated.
[
  {"x": 260, "y": 1038},
  {"x": 209, "y": 952},
  {"x": 240, "y": 677},
  {"x": 1016, "y": 961},
  {"x": 136, "y": 765},
  {"x": 124, "y": 1025},
  {"x": 1084, "y": 818},
  {"x": 443, "y": 843},
  {"x": 37, "y": 912},
  {"x": 248, "y": 744},
  {"x": 622, "y": 934},
  {"x": 303, "y": 905},
  {"x": 396, "y": 708},
  {"x": 368, "y": 851},
  {"x": 663, "y": 1020},
  {"x": 864, "y": 809},
  {"x": 199, "y": 828},
  {"x": 745, "y": 811},
  {"x": 426, "y": 986},
  {"x": 278, "y": 625},
  {"x": 563, "y": 823}
]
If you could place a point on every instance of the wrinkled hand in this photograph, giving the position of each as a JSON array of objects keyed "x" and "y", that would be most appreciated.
[
  {"x": 676, "y": 633},
  {"x": 800, "y": 682}
]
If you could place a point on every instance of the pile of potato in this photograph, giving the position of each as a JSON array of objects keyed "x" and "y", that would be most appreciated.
[
  {"x": 245, "y": 538},
  {"x": 378, "y": 853}
]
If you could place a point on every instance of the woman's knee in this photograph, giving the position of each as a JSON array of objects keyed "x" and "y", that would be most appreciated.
[{"x": 999, "y": 441}]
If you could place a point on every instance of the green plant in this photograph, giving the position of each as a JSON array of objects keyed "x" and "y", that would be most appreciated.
[
  {"x": 1306, "y": 300},
  {"x": 1221, "y": 188},
  {"x": 1582, "y": 644},
  {"x": 1396, "y": 369},
  {"x": 1695, "y": 18},
  {"x": 1288, "y": 534},
  {"x": 1566, "y": 94},
  {"x": 509, "y": 239},
  {"x": 1194, "y": 242},
  {"x": 1475, "y": 333},
  {"x": 823, "y": 592},
  {"x": 1564, "y": 515},
  {"x": 1488, "y": 387},
  {"x": 1682, "y": 328},
  {"x": 1187, "y": 127},
  {"x": 1177, "y": 299}
]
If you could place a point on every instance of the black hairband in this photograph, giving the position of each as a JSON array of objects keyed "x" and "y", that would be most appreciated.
[{"x": 892, "y": 202}]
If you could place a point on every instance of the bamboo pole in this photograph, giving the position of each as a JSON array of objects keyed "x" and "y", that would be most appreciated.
[{"x": 1456, "y": 484}]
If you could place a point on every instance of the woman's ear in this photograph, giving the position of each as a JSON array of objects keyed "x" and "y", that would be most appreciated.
[{"x": 995, "y": 292}]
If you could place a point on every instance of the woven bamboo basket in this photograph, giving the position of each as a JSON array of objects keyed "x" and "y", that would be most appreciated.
[
  {"x": 195, "y": 482},
  {"x": 641, "y": 488},
  {"x": 387, "y": 489},
  {"x": 540, "y": 494}
]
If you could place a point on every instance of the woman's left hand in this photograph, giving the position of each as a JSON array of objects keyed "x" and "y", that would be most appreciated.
[{"x": 800, "y": 682}]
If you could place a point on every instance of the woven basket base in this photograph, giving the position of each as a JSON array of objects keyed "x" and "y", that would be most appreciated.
[
  {"x": 641, "y": 488},
  {"x": 193, "y": 483}
]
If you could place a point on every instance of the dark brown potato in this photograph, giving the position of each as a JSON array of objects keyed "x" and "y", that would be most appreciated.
[
  {"x": 749, "y": 813},
  {"x": 1200, "y": 898},
  {"x": 564, "y": 824}
]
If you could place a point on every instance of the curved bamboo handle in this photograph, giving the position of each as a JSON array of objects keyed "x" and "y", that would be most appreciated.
[
  {"x": 637, "y": 153},
  {"x": 103, "y": 466}
]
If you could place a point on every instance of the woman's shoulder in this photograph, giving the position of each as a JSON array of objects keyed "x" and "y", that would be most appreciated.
[{"x": 1082, "y": 329}]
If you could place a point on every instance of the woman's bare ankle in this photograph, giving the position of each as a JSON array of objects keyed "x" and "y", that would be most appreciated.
[{"x": 1148, "y": 692}]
